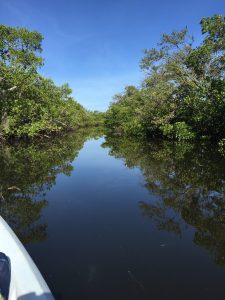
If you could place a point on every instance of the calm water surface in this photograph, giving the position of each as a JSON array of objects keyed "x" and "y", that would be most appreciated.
[{"x": 110, "y": 218}]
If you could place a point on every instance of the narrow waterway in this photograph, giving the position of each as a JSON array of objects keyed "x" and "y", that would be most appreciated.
[{"x": 116, "y": 219}]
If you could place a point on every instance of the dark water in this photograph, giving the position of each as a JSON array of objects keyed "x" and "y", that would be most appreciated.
[{"x": 117, "y": 219}]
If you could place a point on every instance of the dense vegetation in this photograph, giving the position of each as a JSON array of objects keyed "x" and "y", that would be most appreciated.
[
  {"x": 181, "y": 97},
  {"x": 183, "y": 93},
  {"x": 31, "y": 105}
]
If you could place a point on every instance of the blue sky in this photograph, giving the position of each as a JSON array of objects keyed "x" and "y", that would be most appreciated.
[{"x": 96, "y": 45}]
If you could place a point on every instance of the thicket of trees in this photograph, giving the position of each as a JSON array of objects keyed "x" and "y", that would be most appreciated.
[
  {"x": 31, "y": 105},
  {"x": 183, "y": 93},
  {"x": 181, "y": 97}
]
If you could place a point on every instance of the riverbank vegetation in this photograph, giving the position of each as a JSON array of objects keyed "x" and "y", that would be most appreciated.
[
  {"x": 31, "y": 105},
  {"x": 183, "y": 94}
]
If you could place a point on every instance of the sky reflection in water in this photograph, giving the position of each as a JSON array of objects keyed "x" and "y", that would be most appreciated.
[{"x": 112, "y": 218}]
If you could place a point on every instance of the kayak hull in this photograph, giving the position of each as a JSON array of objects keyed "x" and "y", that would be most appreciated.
[{"x": 27, "y": 282}]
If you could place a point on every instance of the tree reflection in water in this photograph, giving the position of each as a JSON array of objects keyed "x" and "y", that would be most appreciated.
[
  {"x": 188, "y": 181},
  {"x": 28, "y": 171}
]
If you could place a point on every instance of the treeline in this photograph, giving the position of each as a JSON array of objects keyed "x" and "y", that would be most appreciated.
[
  {"x": 183, "y": 93},
  {"x": 31, "y": 105}
]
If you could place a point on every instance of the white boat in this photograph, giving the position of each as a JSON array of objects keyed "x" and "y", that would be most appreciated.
[{"x": 26, "y": 282}]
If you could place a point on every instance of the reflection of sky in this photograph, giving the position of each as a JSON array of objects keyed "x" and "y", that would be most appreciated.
[
  {"x": 96, "y": 46},
  {"x": 97, "y": 232},
  {"x": 95, "y": 168}
]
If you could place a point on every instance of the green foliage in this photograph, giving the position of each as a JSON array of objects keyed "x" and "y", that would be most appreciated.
[
  {"x": 31, "y": 105},
  {"x": 221, "y": 145},
  {"x": 123, "y": 116},
  {"x": 178, "y": 130},
  {"x": 183, "y": 94},
  {"x": 96, "y": 118},
  {"x": 19, "y": 48}
]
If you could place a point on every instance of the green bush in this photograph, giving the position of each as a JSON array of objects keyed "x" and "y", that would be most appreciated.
[{"x": 178, "y": 131}]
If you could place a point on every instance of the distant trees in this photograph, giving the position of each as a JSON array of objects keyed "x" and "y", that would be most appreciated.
[
  {"x": 181, "y": 97},
  {"x": 183, "y": 94},
  {"x": 31, "y": 105}
]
